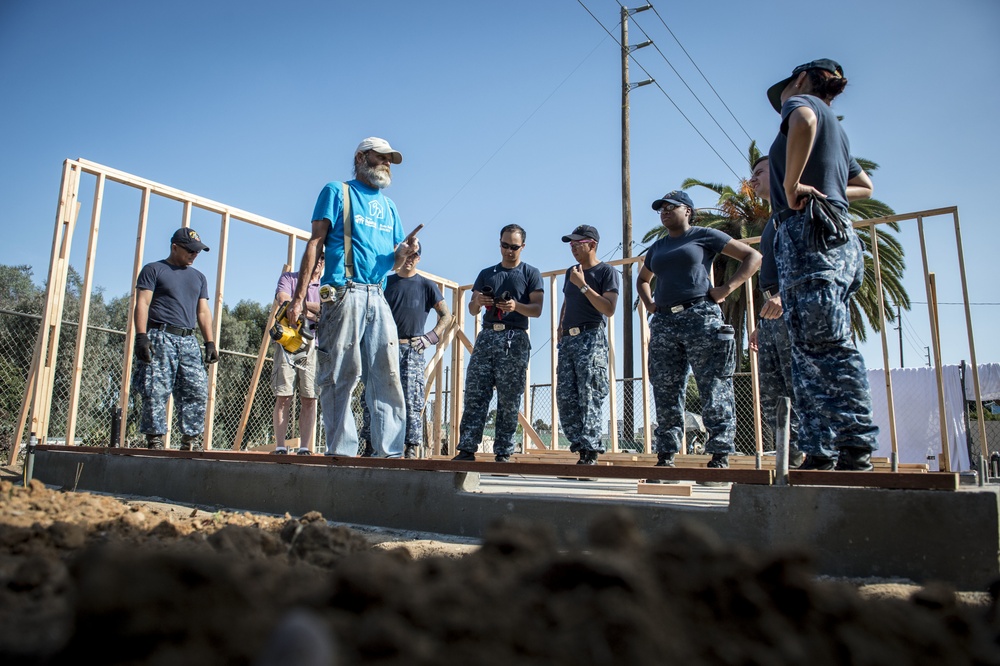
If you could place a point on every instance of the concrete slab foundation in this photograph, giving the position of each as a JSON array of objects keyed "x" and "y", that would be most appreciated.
[{"x": 852, "y": 532}]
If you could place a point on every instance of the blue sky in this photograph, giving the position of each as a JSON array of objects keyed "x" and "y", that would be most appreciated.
[{"x": 504, "y": 112}]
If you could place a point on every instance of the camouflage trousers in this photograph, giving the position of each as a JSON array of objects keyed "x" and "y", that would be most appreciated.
[
  {"x": 830, "y": 381},
  {"x": 411, "y": 373},
  {"x": 499, "y": 360},
  {"x": 581, "y": 388},
  {"x": 177, "y": 369},
  {"x": 774, "y": 370},
  {"x": 691, "y": 341}
]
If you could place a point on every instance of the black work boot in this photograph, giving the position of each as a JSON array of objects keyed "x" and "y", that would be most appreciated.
[
  {"x": 719, "y": 461},
  {"x": 501, "y": 458},
  {"x": 665, "y": 460},
  {"x": 369, "y": 451},
  {"x": 410, "y": 451},
  {"x": 190, "y": 443},
  {"x": 817, "y": 462},
  {"x": 587, "y": 457},
  {"x": 154, "y": 442},
  {"x": 852, "y": 459},
  {"x": 465, "y": 456},
  {"x": 795, "y": 457}
]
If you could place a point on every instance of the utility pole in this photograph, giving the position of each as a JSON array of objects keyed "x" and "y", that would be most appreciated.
[
  {"x": 628, "y": 360},
  {"x": 899, "y": 328}
]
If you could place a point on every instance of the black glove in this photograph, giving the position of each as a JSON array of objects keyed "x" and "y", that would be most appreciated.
[
  {"x": 829, "y": 229},
  {"x": 211, "y": 353},
  {"x": 143, "y": 351}
]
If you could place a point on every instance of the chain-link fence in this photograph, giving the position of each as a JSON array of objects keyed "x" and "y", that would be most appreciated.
[{"x": 100, "y": 391}]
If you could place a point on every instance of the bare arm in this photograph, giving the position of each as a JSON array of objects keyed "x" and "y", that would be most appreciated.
[
  {"x": 205, "y": 320},
  {"x": 642, "y": 288},
  {"x": 801, "y": 136},
  {"x": 445, "y": 317},
  {"x": 749, "y": 259},
  {"x": 320, "y": 228},
  {"x": 143, "y": 297},
  {"x": 859, "y": 187}
]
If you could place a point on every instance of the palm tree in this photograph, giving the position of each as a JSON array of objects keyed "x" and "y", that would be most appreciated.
[{"x": 742, "y": 214}]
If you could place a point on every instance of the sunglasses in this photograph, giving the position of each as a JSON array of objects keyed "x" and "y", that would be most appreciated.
[
  {"x": 582, "y": 242},
  {"x": 512, "y": 248},
  {"x": 666, "y": 208}
]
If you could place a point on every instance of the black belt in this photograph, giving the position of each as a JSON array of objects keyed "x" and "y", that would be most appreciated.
[
  {"x": 173, "y": 330},
  {"x": 769, "y": 293},
  {"x": 577, "y": 330},
  {"x": 681, "y": 307},
  {"x": 502, "y": 327},
  {"x": 783, "y": 215}
]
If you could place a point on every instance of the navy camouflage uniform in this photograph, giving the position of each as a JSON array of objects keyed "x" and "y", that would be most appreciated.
[
  {"x": 774, "y": 347},
  {"x": 582, "y": 383},
  {"x": 694, "y": 339},
  {"x": 177, "y": 369},
  {"x": 830, "y": 381},
  {"x": 820, "y": 267},
  {"x": 582, "y": 387},
  {"x": 499, "y": 360},
  {"x": 687, "y": 332}
]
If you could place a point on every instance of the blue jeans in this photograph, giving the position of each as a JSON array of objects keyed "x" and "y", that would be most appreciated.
[{"x": 356, "y": 340}]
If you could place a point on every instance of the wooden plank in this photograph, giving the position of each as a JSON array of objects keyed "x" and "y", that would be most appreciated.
[
  {"x": 676, "y": 490},
  {"x": 876, "y": 479}
]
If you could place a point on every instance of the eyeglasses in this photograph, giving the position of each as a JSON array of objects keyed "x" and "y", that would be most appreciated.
[
  {"x": 666, "y": 208},
  {"x": 512, "y": 248},
  {"x": 580, "y": 243}
]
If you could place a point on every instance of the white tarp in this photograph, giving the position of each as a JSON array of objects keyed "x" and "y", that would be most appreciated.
[
  {"x": 989, "y": 382},
  {"x": 915, "y": 399}
]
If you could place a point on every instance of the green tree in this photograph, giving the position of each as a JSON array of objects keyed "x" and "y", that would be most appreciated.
[{"x": 742, "y": 214}]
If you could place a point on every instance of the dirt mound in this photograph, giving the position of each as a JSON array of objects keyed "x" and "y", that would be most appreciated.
[{"x": 88, "y": 578}]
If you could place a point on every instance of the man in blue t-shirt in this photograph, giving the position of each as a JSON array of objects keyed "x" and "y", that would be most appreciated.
[
  {"x": 411, "y": 297},
  {"x": 511, "y": 292},
  {"x": 590, "y": 295},
  {"x": 359, "y": 231},
  {"x": 171, "y": 301}
]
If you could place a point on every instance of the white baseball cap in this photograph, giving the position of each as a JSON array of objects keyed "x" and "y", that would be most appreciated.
[{"x": 380, "y": 146}]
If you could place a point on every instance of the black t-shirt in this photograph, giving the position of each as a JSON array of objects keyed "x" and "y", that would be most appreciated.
[
  {"x": 176, "y": 292},
  {"x": 410, "y": 299},
  {"x": 603, "y": 279},
  {"x": 521, "y": 281},
  {"x": 830, "y": 164},
  {"x": 681, "y": 264}
]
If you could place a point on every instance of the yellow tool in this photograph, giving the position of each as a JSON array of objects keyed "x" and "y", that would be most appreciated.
[{"x": 294, "y": 340}]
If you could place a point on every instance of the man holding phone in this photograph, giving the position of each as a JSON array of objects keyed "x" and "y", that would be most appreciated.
[{"x": 359, "y": 231}]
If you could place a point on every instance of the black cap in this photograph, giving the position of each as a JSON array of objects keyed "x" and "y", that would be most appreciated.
[
  {"x": 676, "y": 197},
  {"x": 583, "y": 232},
  {"x": 189, "y": 240},
  {"x": 774, "y": 92}
]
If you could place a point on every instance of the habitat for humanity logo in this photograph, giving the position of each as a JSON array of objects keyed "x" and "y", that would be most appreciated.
[{"x": 376, "y": 210}]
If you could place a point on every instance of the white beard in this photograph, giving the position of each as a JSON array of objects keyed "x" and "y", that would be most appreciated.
[{"x": 379, "y": 176}]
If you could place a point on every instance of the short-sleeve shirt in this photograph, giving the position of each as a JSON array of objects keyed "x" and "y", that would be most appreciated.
[
  {"x": 681, "y": 265},
  {"x": 410, "y": 299},
  {"x": 830, "y": 165},
  {"x": 375, "y": 233},
  {"x": 176, "y": 292},
  {"x": 520, "y": 281},
  {"x": 288, "y": 282},
  {"x": 603, "y": 279}
]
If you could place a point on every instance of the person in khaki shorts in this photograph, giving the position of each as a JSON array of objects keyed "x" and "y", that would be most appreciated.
[{"x": 286, "y": 376}]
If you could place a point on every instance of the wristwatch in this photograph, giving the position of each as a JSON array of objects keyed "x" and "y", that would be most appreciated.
[{"x": 584, "y": 289}]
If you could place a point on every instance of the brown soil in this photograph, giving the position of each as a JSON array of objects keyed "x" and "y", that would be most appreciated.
[{"x": 88, "y": 578}]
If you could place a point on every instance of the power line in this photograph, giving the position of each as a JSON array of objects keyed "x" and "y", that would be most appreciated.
[
  {"x": 700, "y": 72},
  {"x": 952, "y": 303},
  {"x": 669, "y": 98},
  {"x": 693, "y": 93}
]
